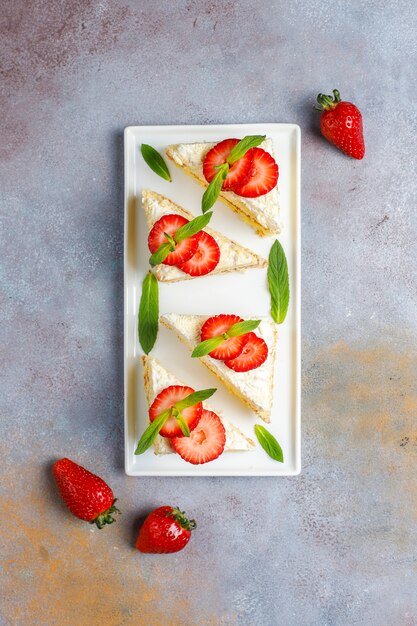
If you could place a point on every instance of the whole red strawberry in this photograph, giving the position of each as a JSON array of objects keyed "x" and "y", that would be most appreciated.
[
  {"x": 86, "y": 495},
  {"x": 341, "y": 124},
  {"x": 165, "y": 530}
]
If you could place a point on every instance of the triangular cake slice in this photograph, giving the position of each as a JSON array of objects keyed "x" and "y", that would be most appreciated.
[
  {"x": 254, "y": 388},
  {"x": 233, "y": 256},
  {"x": 156, "y": 378},
  {"x": 262, "y": 213}
]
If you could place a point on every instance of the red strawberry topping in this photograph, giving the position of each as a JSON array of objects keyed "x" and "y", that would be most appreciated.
[
  {"x": 262, "y": 176},
  {"x": 86, "y": 495},
  {"x": 165, "y": 530},
  {"x": 254, "y": 353},
  {"x": 206, "y": 442},
  {"x": 238, "y": 171},
  {"x": 205, "y": 258},
  {"x": 170, "y": 224},
  {"x": 217, "y": 326},
  {"x": 166, "y": 400}
]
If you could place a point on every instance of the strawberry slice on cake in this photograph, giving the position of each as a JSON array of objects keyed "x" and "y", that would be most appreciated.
[
  {"x": 251, "y": 185},
  {"x": 250, "y": 373},
  {"x": 210, "y": 435},
  {"x": 208, "y": 253}
]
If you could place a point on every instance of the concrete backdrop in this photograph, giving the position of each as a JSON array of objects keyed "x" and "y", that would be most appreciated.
[{"x": 334, "y": 546}]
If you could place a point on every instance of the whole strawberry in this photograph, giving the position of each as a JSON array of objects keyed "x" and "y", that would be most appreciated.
[
  {"x": 86, "y": 495},
  {"x": 341, "y": 124},
  {"x": 165, "y": 530}
]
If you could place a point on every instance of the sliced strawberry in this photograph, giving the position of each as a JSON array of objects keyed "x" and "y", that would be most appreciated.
[
  {"x": 262, "y": 177},
  {"x": 205, "y": 258},
  {"x": 254, "y": 353},
  {"x": 238, "y": 171},
  {"x": 170, "y": 224},
  {"x": 166, "y": 400},
  {"x": 206, "y": 442},
  {"x": 217, "y": 326}
]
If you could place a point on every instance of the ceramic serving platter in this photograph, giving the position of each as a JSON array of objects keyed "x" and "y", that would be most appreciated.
[{"x": 245, "y": 294}]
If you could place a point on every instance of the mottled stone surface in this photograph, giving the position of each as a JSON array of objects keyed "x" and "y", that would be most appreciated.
[{"x": 334, "y": 546}]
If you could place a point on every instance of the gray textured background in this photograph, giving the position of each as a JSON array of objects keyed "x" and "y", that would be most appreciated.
[{"x": 334, "y": 546}]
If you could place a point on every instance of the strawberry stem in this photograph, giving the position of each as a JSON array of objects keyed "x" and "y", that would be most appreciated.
[
  {"x": 106, "y": 517},
  {"x": 179, "y": 516},
  {"x": 326, "y": 103}
]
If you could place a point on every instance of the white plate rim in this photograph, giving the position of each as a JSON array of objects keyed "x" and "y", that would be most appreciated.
[{"x": 224, "y": 129}]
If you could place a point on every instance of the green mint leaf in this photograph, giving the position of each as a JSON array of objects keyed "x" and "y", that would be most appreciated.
[
  {"x": 245, "y": 144},
  {"x": 213, "y": 190},
  {"x": 279, "y": 287},
  {"x": 171, "y": 241},
  {"x": 183, "y": 425},
  {"x": 269, "y": 443},
  {"x": 148, "y": 313},
  {"x": 193, "y": 227},
  {"x": 155, "y": 161},
  {"x": 194, "y": 398},
  {"x": 161, "y": 254},
  {"x": 151, "y": 432},
  {"x": 241, "y": 328},
  {"x": 207, "y": 346}
]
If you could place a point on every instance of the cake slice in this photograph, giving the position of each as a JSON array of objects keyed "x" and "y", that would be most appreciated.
[
  {"x": 233, "y": 256},
  {"x": 254, "y": 387},
  {"x": 262, "y": 213},
  {"x": 156, "y": 378}
]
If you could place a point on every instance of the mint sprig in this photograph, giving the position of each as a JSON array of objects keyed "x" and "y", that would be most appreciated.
[
  {"x": 192, "y": 228},
  {"x": 238, "y": 329},
  {"x": 237, "y": 152},
  {"x": 269, "y": 443},
  {"x": 194, "y": 398},
  {"x": 186, "y": 231},
  {"x": 213, "y": 190},
  {"x": 278, "y": 281},
  {"x": 245, "y": 144},
  {"x": 154, "y": 427},
  {"x": 155, "y": 161},
  {"x": 148, "y": 315}
]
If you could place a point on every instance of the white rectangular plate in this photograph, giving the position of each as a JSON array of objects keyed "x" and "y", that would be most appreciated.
[{"x": 245, "y": 294}]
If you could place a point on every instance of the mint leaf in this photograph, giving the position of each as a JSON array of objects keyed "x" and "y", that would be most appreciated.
[
  {"x": 279, "y": 287},
  {"x": 213, "y": 190},
  {"x": 151, "y": 432},
  {"x": 269, "y": 443},
  {"x": 207, "y": 346},
  {"x": 171, "y": 241},
  {"x": 194, "y": 398},
  {"x": 154, "y": 427},
  {"x": 148, "y": 313},
  {"x": 183, "y": 425},
  {"x": 241, "y": 328},
  {"x": 155, "y": 161},
  {"x": 245, "y": 144},
  {"x": 161, "y": 254},
  {"x": 193, "y": 227}
]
